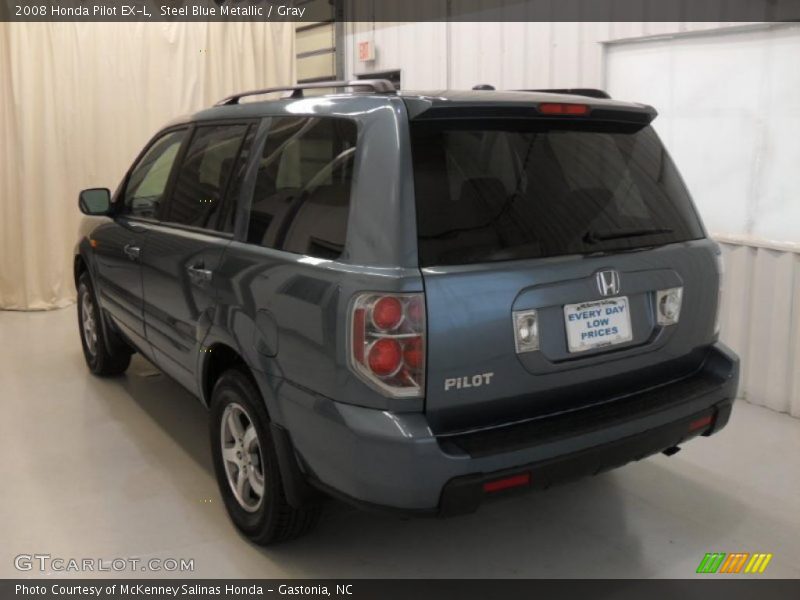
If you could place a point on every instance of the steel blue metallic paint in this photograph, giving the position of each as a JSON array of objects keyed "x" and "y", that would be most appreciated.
[{"x": 287, "y": 316}]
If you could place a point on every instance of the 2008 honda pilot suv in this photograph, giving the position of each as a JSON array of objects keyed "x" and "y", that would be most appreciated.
[{"x": 411, "y": 301}]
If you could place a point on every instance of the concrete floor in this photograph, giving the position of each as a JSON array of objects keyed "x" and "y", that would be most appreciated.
[{"x": 121, "y": 468}]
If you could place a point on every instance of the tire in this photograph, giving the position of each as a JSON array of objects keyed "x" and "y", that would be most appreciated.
[
  {"x": 100, "y": 358},
  {"x": 245, "y": 461}
]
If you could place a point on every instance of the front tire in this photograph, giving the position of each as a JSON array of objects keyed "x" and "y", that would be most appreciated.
[
  {"x": 246, "y": 465},
  {"x": 100, "y": 359}
]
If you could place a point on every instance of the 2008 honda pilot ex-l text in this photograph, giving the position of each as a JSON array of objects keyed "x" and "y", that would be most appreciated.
[{"x": 411, "y": 301}]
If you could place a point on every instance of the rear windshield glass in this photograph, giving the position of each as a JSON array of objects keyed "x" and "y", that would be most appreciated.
[{"x": 520, "y": 189}]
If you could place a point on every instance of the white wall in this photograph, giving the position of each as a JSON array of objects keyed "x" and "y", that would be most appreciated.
[
  {"x": 761, "y": 320},
  {"x": 729, "y": 111},
  {"x": 759, "y": 229},
  {"x": 439, "y": 55}
]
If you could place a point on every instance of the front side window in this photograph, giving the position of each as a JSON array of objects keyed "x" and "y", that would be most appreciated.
[
  {"x": 302, "y": 195},
  {"x": 525, "y": 189},
  {"x": 144, "y": 192},
  {"x": 203, "y": 176}
]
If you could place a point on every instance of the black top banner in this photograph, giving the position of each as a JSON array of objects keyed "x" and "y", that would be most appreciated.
[{"x": 400, "y": 10}]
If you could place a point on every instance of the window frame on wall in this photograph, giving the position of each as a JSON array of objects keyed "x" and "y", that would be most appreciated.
[{"x": 334, "y": 50}]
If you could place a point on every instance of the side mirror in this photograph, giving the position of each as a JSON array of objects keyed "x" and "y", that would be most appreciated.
[{"x": 95, "y": 202}]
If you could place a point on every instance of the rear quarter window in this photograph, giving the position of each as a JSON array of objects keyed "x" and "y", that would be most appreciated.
[
  {"x": 527, "y": 189},
  {"x": 301, "y": 200}
]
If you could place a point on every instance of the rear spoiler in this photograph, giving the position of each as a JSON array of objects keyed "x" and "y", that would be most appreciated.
[{"x": 635, "y": 115}]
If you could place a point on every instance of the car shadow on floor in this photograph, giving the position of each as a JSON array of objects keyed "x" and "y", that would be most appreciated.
[
  {"x": 589, "y": 528},
  {"x": 172, "y": 408}
]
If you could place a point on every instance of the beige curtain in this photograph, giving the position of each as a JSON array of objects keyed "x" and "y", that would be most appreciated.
[{"x": 77, "y": 103}]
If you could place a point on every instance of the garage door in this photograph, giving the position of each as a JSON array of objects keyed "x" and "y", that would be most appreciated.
[{"x": 729, "y": 107}]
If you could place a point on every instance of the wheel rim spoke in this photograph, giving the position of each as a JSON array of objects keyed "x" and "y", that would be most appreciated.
[
  {"x": 256, "y": 482},
  {"x": 229, "y": 454},
  {"x": 235, "y": 425},
  {"x": 242, "y": 483},
  {"x": 250, "y": 437}
]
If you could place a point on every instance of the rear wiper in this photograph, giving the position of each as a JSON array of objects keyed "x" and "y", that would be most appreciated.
[{"x": 592, "y": 237}]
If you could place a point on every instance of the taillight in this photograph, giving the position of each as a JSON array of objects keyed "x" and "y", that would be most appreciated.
[
  {"x": 387, "y": 342},
  {"x": 385, "y": 357},
  {"x": 563, "y": 108},
  {"x": 387, "y": 313}
]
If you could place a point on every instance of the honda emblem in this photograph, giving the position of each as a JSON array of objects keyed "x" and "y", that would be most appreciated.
[{"x": 608, "y": 283}]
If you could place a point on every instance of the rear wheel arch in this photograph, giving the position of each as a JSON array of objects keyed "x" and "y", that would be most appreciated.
[{"x": 215, "y": 360}]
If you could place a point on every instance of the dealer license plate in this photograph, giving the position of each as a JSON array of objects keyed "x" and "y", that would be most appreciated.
[{"x": 597, "y": 324}]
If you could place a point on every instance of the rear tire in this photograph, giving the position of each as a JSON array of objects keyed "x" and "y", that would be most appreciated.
[
  {"x": 101, "y": 359},
  {"x": 246, "y": 464}
]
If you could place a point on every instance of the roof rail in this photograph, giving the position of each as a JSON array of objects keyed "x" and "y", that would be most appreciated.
[
  {"x": 590, "y": 92},
  {"x": 379, "y": 86}
]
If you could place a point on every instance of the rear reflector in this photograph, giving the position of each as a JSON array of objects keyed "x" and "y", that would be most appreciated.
[
  {"x": 561, "y": 108},
  {"x": 359, "y": 327},
  {"x": 507, "y": 482},
  {"x": 701, "y": 423}
]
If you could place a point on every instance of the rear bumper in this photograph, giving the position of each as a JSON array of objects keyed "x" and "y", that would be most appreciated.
[
  {"x": 464, "y": 494},
  {"x": 379, "y": 459}
]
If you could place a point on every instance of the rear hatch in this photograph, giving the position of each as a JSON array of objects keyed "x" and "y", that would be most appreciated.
[{"x": 578, "y": 223}]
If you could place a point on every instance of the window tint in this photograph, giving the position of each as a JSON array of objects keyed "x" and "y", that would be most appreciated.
[
  {"x": 203, "y": 176},
  {"x": 148, "y": 181},
  {"x": 228, "y": 216},
  {"x": 302, "y": 194},
  {"x": 528, "y": 190}
]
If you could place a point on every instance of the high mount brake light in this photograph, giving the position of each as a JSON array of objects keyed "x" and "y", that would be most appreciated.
[
  {"x": 563, "y": 108},
  {"x": 387, "y": 342}
]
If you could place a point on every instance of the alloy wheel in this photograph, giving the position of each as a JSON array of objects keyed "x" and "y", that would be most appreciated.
[
  {"x": 242, "y": 457},
  {"x": 88, "y": 324}
]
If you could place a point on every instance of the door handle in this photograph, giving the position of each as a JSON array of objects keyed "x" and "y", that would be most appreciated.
[
  {"x": 132, "y": 251},
  {"x": 198, "y": 274}
]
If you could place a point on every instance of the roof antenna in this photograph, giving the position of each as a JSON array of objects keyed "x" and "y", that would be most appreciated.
[{"x": 483, "y": 86}]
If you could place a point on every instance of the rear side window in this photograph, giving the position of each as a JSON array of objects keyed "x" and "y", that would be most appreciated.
[
  {"x": 528, "y": 190},
  {"x": 302, "y": 195},
  {"x": 202, "y": 179}
]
